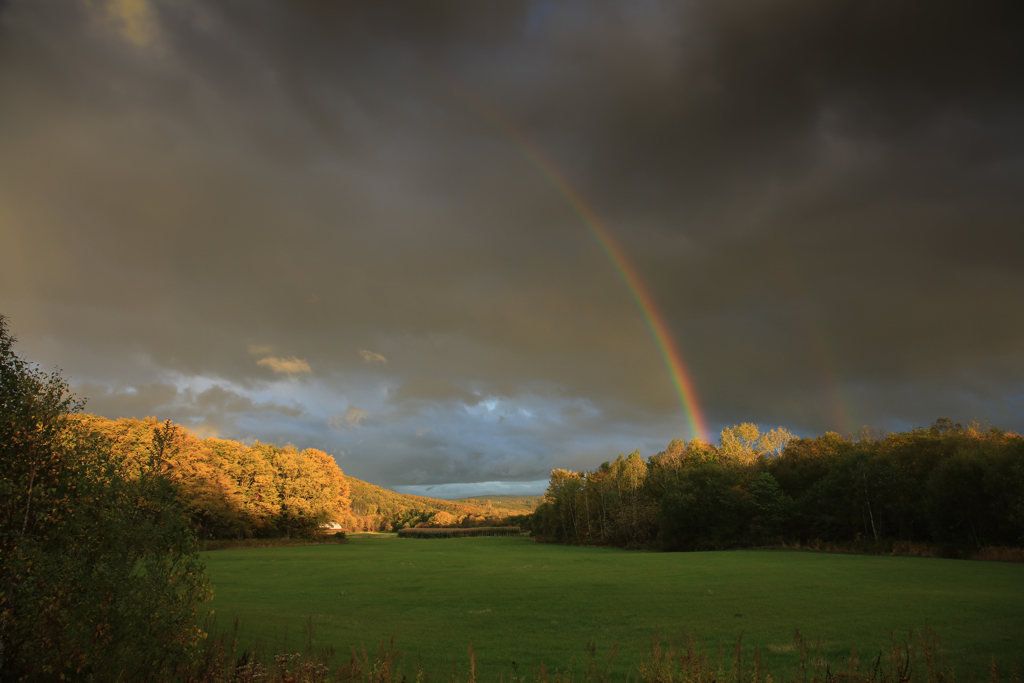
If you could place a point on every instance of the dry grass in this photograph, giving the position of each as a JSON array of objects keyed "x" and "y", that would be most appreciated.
[
  {"x": 915, "y": 659},
  {"x": 999, "y": 554}
]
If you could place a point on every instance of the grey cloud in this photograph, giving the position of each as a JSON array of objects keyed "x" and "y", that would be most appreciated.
[
  {"x": 217, "y": 398},
  {"x": 823, "y": 200},
  {"x": 127, "y": 401},
  {"x": 352, "y": 418},
  {"x": 431, "y": 390},
  {"x": 213, "y": 411}
]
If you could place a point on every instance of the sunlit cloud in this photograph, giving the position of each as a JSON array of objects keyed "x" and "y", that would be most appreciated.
[
  {"x": 372, "y": 357},
  {"x": 132, "y": 19},
  {"x": 260, "y": 349},
  {"x": 350, "y": 419},
  {"x": 289, "y": 366}
]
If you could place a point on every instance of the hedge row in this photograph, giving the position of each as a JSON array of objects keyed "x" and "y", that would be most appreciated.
[{"x": 460, "y": 533}]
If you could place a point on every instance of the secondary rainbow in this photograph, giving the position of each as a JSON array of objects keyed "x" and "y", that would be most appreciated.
[{"x": 598, "y": 229}]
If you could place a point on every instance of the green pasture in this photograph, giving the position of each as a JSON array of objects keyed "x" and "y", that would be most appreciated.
[{"x": 527, "y": 602}]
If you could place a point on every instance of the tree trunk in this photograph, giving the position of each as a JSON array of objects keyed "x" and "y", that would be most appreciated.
[{"x": 870, "y": 514}]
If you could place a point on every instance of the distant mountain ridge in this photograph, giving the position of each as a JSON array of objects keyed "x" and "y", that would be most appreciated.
[
  {"x": 375, "y": 508},
  {"x": 508, "y": 501},
  {"x": 236, "y": 490}
]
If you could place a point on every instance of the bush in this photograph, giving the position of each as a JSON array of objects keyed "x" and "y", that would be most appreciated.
[
  {"x": 461, "y": 533},
  {"x": 100, "y": 574}
]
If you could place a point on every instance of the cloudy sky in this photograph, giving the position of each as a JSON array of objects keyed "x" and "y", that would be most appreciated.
[{"x": 439, "y": 239}]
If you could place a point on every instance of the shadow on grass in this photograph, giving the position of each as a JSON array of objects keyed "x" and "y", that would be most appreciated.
[{"x": 327, "y": 539}]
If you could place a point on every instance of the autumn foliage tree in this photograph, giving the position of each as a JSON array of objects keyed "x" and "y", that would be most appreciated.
[{"x": 232, "y": 490}]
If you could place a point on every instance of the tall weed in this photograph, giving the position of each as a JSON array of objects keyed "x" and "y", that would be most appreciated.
[{"x": 916, "y": 658}]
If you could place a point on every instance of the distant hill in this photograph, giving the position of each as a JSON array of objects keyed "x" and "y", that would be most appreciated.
[
  {"x": 236, "y": 490},
  {"x": 376, "y": 508},
  {"x": 524, "y": 505}
]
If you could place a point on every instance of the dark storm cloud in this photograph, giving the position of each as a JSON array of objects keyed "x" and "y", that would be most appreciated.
[
  {"x": 213, "y": 212},
  {"x": 839, "y": 172}
]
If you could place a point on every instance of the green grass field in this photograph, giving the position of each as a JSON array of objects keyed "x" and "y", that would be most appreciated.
[{"x": 527, "y": 602}]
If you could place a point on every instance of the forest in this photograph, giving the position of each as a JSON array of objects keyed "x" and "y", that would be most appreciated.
[
  {"x": 234, "y": 490},
  {"x": 956, "y": 488},
  {"x": 230, "y": 489}
]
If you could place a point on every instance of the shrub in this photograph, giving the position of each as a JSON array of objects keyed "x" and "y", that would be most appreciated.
[
  {"x": 99, "y": 571},
  {"x": 460, "y": 533}
]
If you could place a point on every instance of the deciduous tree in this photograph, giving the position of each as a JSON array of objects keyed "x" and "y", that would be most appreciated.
[{"x": 99, "y": 569}]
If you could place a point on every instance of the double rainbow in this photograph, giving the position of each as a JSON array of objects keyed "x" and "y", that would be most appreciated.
[
  {"x": 653, "y": 319},
  {"x": 598, "y": 229}
]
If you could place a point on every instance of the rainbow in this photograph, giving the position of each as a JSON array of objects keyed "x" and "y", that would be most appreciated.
[
  {"x": 678, "y": 373},
  {"x": 598, "y": 229},
  {"x": 834, "y": 397}
]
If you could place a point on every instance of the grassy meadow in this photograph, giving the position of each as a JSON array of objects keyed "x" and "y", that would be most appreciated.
[{"x": 527, "y": 602}]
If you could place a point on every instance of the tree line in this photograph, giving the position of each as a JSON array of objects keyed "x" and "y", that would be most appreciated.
[
  {"x": 951, "y": 486},
  {"x": 230, "y": 489}
]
